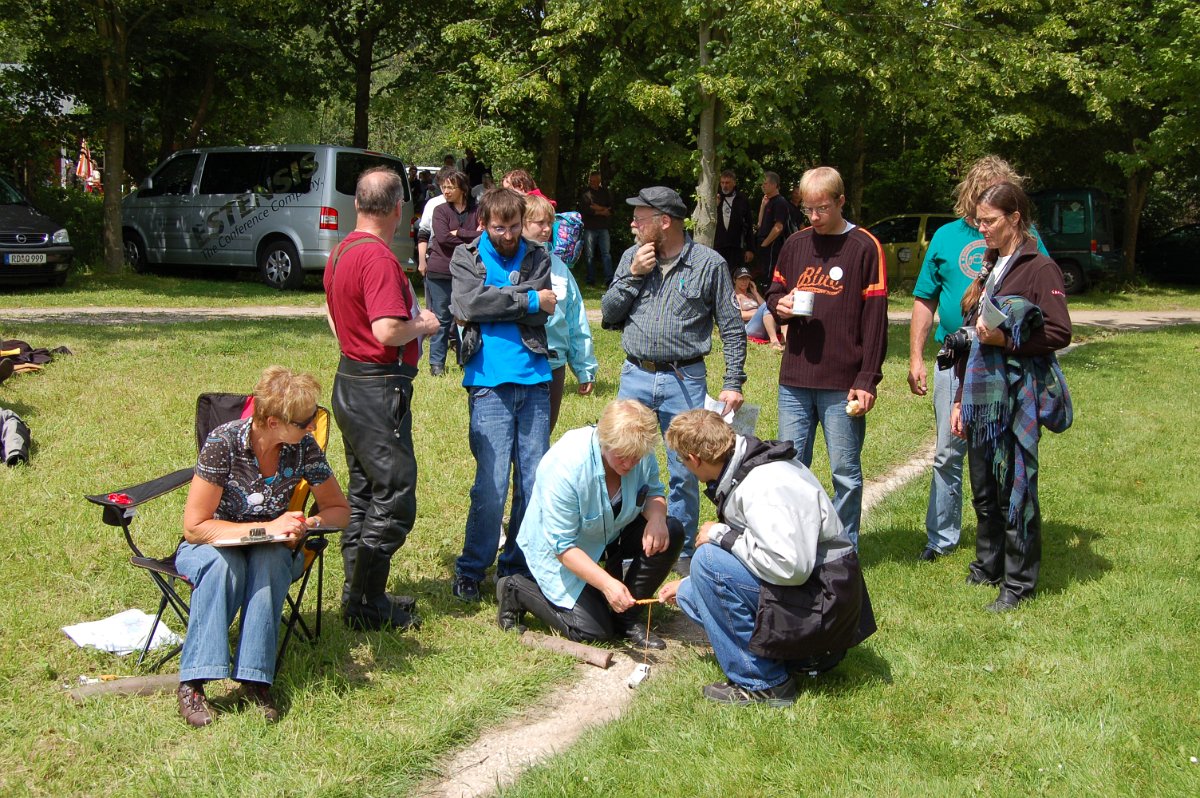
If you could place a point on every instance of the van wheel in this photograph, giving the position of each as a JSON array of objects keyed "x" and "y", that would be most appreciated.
[
  {"x": 279, "y": 266},
  {"x": 1073, "y": 280},
  {"x": 135, "y": 252}
]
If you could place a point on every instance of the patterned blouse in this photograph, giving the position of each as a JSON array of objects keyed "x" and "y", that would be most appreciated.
[{"x": 228, "y": 461}]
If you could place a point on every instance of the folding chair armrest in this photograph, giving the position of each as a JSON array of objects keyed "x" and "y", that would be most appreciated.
[{"x": 118, "y": 502}]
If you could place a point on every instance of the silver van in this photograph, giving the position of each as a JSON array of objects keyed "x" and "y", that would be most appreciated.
[{"x": 280, "y": 209}]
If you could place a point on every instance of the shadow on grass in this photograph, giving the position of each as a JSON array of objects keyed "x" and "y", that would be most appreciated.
[
  {"x": 1068, "y": 553},
  {"x": 1069, "y": 558}
]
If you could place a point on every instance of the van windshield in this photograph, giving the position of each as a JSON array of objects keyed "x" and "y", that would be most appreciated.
[{"x": 352, "y": 164}]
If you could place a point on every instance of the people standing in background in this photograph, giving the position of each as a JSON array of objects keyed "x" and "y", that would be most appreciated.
[
  {"x": 456, "y": 221},
  {"x": 596, "y": 207},
  {"x": 773, "y": 217},
  {"x": 735, "y": 225}
]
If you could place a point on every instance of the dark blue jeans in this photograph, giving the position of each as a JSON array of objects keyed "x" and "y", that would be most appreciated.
[
  {"x": 509, "y": 433},
  {"x": 437, "y": 299}
]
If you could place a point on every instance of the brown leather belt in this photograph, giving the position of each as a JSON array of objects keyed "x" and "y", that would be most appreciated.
[{"x": 669, "y": 365}]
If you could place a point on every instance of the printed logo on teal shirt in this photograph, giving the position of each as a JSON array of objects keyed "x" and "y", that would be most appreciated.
[{"x": 970, "y": 260}]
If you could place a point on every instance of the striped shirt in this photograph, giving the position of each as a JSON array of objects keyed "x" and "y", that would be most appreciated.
[
  {"x": 843, "y": 344},
  {"x": 670, "y": 317}
]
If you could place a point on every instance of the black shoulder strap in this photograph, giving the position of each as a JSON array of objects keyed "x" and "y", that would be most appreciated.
[{"x": 343, "y": 248}]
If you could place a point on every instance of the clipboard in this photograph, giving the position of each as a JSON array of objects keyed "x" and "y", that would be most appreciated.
[{"x": 247, "y": 540}]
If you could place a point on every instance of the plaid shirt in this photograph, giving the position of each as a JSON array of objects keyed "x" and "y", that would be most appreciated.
[{"x": 670, "y": 318}]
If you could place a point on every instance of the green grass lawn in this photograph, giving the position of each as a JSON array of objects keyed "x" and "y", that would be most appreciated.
[
  {"x": 1091, "y": 689},
  {"x": 1096, "y": 675}
]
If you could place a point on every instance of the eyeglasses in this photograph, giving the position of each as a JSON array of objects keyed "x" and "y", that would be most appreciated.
[
  {"x": 988, "y": 222},
  {"x": 820, "y": 210},
  {"x": 639, "y": 221},
  {"x": 512, "y": 229},
  {"x": 308, "y": 422}
]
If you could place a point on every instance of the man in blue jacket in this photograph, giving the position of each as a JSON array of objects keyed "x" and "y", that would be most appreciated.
[{"x": 501, "y": 294}]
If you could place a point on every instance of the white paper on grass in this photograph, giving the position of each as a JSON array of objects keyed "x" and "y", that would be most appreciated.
[
  {"x": 743, "y": 420},
  {"x": 122, "y": 633}
]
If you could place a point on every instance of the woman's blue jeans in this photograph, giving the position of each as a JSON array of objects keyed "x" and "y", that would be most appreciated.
[
  {"x": 437, "y": 300},
  {"x": 253, "y": 579}
]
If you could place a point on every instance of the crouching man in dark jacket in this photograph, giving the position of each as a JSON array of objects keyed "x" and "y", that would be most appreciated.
[{"x": 779, "y": 589}]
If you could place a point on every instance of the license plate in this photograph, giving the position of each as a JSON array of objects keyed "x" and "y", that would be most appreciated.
[{"x": 23, "y": 257}]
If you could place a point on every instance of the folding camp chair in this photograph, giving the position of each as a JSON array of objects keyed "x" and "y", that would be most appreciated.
[{"x": 120, "y": 508}]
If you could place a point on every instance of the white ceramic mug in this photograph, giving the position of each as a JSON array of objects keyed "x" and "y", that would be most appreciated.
[{"x": 802, "y": 302}]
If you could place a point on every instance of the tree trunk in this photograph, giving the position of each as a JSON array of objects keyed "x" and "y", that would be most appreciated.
[
  {"x": 362, "y": 85},
  {"x": 706, "y": 190},
  {"x": 548, "y": 172},
  {"x": 856, "y": 174},
  {"x": 573, "y": 167},
  {"x": 1137, "y": 186},
  {"x": 206, "y": 95},
  {"x": 114, "y": 67}
]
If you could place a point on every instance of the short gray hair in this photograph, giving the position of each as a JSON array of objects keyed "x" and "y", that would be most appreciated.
[{"x": 378, "y": 196}]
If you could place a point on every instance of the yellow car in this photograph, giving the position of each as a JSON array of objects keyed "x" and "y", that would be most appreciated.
[{"x": 905, "y": 239}]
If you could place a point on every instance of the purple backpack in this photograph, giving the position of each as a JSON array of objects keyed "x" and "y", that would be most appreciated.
[{"x": 568, "y": 236}]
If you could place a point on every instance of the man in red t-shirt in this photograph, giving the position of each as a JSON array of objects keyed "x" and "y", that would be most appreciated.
[{"x": 373, "y": 311}]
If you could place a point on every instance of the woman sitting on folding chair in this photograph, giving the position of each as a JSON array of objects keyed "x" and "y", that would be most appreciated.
[{"x": 245, "y": 477}]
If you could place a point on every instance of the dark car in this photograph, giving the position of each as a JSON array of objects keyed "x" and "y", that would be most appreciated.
[
  {"x": 1076, "y": 226},
  {"x": 1173, "y": 256},
  {"x": 33, "y": 247}
]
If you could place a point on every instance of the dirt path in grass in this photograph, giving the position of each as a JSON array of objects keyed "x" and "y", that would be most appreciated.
[{"x": 595, "y": 696}]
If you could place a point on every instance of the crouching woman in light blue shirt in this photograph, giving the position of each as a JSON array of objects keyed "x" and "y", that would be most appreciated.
[{"x": 596, "y": 497}]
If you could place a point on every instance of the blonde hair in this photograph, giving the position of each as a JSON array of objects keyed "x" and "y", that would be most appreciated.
[
  {"x": 987, "y": 171},
  {"x": 538, "y": 208},
  {"x": 702, "y": 433},
  {"x": 627, "y": 428},
  {"x": 822, "y": 180},
  {"x": 285, "y": 394}
]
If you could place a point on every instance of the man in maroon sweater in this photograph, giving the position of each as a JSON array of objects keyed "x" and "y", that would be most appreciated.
[{"x": 836, "y": 344}]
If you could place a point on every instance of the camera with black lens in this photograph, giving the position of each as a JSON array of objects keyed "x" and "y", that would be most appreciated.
[{"x": 955, "y": 346}]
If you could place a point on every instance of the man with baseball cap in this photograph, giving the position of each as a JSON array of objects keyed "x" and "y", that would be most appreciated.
[{"x": 664, "y": 297}]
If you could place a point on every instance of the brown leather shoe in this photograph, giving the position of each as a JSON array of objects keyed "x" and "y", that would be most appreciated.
[
  {"x": 259, "y": 695},
  {"x": 193, "y": 705}
]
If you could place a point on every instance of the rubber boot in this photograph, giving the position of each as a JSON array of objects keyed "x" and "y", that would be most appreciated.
[
  {"x": 368, "y": 606},
  {"x": 401, "y": 606},
  {"x": 349, "y": 556}
]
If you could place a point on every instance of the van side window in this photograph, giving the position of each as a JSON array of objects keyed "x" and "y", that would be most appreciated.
[
  {"x": 174, "y": 178},
  {"x": 1074, "y": 217},
  {"x": 352, "y": 164},
  {"x": 933, "y": 223},
  {"x": 897, "y": 230},
  {"x": 289, "y": 172},
  {"x": 232, "y": 173}
]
